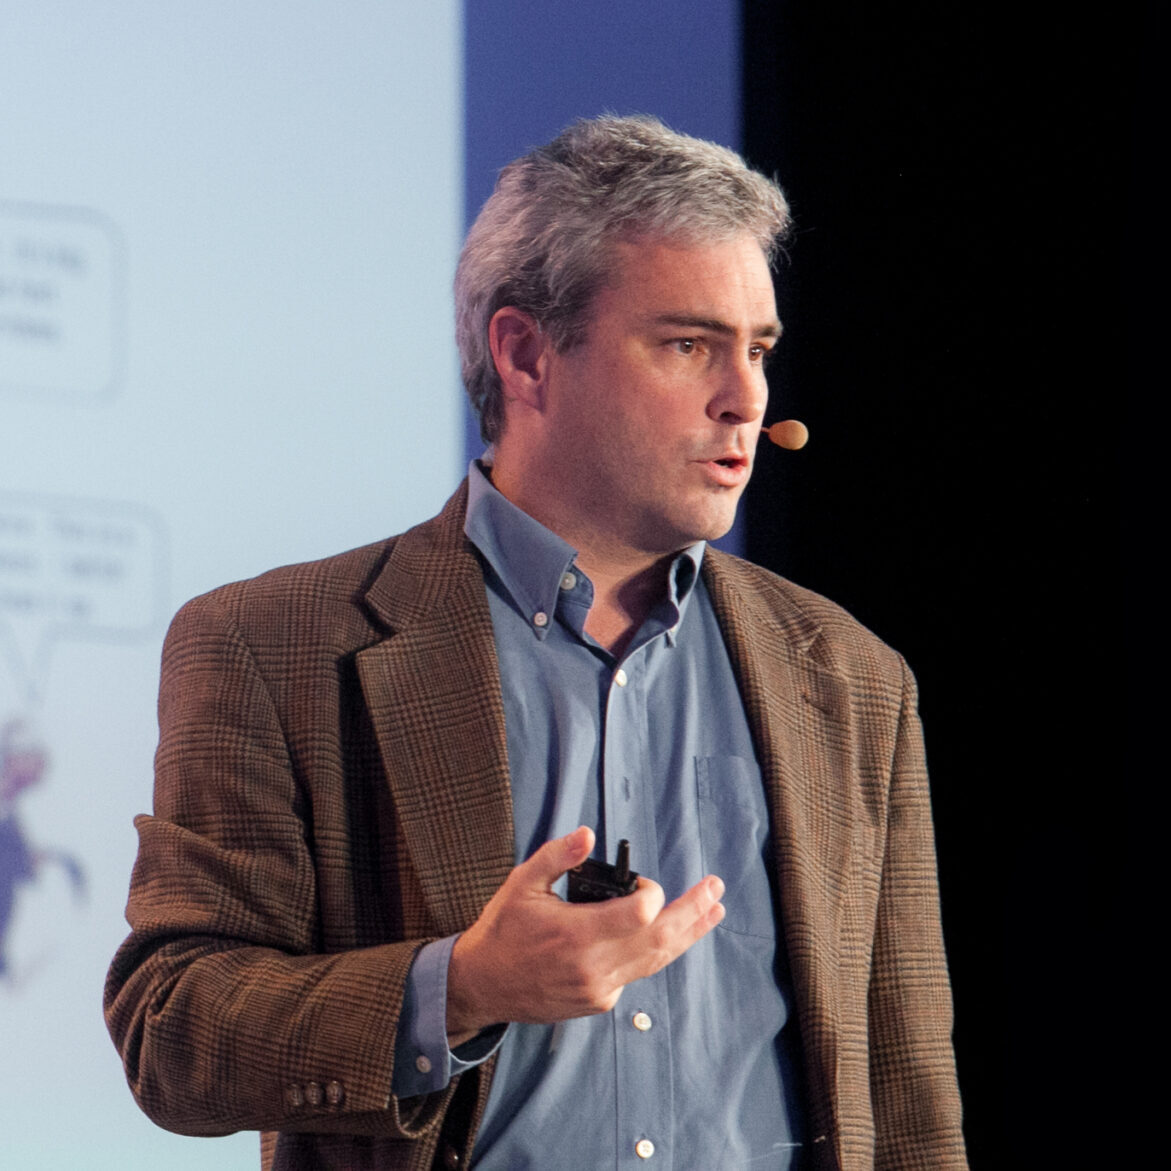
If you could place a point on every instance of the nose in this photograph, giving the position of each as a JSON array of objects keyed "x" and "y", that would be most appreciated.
[{"x": 742, "y": 394}]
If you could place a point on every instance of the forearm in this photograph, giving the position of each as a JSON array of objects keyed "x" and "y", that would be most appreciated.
[{"x": 218, "y": 1037}]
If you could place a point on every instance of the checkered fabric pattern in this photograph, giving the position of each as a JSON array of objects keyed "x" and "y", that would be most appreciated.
[{"x": 332, "y": 792}]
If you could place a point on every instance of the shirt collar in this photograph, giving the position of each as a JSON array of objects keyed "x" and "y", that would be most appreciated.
[{"x": 531, "y": 560}]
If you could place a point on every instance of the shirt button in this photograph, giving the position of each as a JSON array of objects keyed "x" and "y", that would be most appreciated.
[
  {"x": 568, "y": 581},
  {"x": 644, "y": 1148},
  {"x": 620, "y": 677},
  {"x": 423, "y": 1063},
  {"x": 641, "y": 1021},
  {"x": 540, "y": 618}
]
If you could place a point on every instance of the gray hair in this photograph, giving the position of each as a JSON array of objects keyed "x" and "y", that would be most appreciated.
[{"x": 541, "y": 242}]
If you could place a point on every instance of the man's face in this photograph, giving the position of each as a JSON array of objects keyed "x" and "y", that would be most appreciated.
[{"x": 658, "y": 411}]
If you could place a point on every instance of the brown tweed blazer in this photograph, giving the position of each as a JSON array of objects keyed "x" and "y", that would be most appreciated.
[{"x": 332, "y": 792}]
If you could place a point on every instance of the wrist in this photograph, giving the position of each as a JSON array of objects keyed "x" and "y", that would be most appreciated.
[{"x": 465, "y": 1015}]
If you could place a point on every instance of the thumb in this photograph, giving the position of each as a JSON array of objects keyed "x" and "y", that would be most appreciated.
[{"x": 546, "y": 865}]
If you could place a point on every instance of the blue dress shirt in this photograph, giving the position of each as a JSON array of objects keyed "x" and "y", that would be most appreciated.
[{"x": 698, "y": 1065}]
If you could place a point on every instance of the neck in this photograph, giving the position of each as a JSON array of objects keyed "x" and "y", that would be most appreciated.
[
  {"x": 623, "y": 597},
  {"x": 627, "y": 581}
]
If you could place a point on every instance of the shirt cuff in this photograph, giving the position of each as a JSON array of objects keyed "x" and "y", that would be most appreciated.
[{"x": 423, "y": 1063}]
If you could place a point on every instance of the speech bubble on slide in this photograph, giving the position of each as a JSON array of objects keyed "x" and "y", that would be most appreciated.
[
  {"x": 75, "y": 569},
  {"x": 61, "y": 298}
]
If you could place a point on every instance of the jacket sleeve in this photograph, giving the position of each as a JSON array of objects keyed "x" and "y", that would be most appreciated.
[
  {"x": 223, "y": 1003},
  {"x": 912, "y": 1070}
]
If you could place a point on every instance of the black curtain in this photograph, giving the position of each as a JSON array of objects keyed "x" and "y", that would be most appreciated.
[{"x": 957, "y": 297}]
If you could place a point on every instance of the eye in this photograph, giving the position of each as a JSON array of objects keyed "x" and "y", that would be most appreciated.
[
  {"x": 761, "y": 354},
  {"x": 685, "y": 345}
]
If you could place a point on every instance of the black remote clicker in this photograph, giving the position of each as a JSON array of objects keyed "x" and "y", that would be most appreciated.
[{"x": 594, "y": 881}]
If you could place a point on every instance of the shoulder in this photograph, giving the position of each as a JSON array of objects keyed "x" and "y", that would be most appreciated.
[
  {"x": 327, "y": 581},
  {"x": 325, "y": 603},
  {"x": 748, "y": 597},
  {"x": 288, "y": 602}
]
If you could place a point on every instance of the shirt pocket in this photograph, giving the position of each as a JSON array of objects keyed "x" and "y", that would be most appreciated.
[{"x": 734, "y": 841}]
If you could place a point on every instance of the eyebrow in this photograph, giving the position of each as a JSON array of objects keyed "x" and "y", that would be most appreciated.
[{"x": 771, "y": 329}]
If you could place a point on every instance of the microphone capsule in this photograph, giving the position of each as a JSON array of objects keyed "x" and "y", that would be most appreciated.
[{"x": 789, "y": 433}]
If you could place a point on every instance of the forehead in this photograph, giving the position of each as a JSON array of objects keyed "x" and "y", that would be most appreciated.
[{"x": 727, "y": 279}]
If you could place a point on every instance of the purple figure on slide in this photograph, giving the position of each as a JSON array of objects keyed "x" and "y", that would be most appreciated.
[{"x": 22, "y": 764}]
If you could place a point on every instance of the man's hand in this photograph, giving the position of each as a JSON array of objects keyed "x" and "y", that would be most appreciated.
[{"x": 534, "y": 958}]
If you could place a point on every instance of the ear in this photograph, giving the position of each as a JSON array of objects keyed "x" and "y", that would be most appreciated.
[{"x": 519, "y": 349}]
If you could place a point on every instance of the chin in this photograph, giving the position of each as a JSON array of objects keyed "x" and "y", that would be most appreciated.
[
  {"x": 707, "y": 528},
  {"x": 716, "y": 523}
]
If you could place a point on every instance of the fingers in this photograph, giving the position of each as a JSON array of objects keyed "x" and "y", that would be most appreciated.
[
  {"x": 692, "y": 915},
  {"x": 675, "y": 928},
  {"x": 647, "y": 903},
  {"x": 553, "y": 859}
]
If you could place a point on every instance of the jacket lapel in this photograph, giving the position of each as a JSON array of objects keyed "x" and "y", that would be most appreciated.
[
  {"x": 433, "y": 691},
  {"x": 798, "y": 709}
]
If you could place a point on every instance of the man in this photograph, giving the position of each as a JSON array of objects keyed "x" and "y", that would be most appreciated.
[{"x": 375, "y": 771}]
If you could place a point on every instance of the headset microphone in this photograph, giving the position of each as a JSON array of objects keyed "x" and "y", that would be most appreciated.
[{"x": 790, "y": 433}]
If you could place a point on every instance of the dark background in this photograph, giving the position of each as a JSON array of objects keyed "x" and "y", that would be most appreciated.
[{"x": 964, "y": 309}]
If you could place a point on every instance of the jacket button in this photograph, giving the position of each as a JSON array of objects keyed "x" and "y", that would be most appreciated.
[
  {"x": 313, "y": 1094},
  {"x": 335, "y": 1095},
  {"x": 451, "y": 1158},
  {"x": 294, "y": 1097}
]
